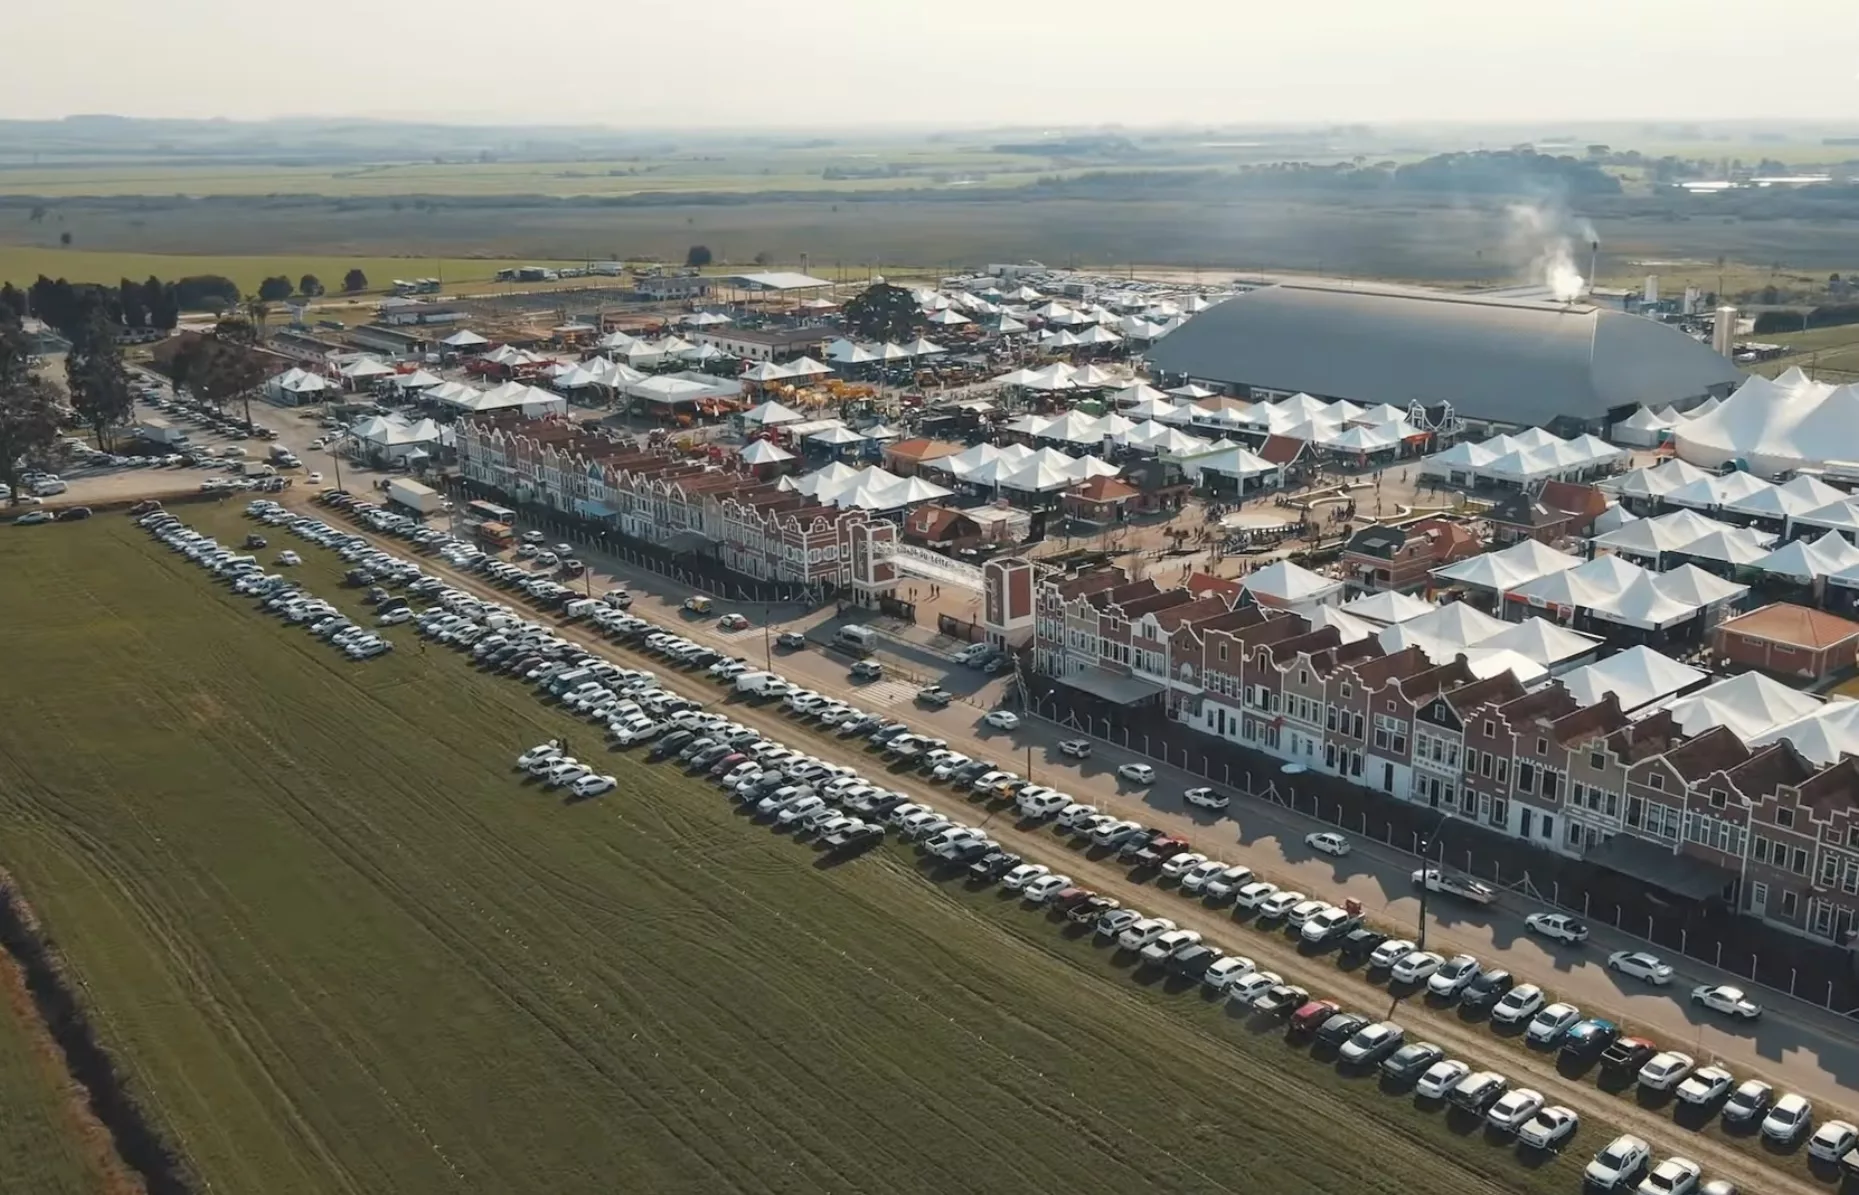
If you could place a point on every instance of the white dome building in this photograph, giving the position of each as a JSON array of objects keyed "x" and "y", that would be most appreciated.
[{"x": 1773, "y": 425}]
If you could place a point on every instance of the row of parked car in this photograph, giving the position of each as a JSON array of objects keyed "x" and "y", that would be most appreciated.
[
  {"x": 808, "y": 796},
  {"x": 278, "y": 594}
]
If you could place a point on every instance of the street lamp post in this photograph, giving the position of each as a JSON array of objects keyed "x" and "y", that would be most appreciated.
[{"x": 1426, "y": 850}]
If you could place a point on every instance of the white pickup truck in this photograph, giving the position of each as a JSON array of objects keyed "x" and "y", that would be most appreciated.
[{"x": 1463, "y": 887}]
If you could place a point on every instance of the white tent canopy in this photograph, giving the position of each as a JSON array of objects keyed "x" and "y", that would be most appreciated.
[
  {"x": 1636, "y": 677},
  {"x": 770, "y": 413},
  {"x": 1776, "y": 425},
  {"x": 464, "y": 338},
  {"x": 1750, "y": 705},
  {"x": 765, "y": 452},
  {"x": 1503, "y": 571},
  {"x": 1388, "y": 607}
]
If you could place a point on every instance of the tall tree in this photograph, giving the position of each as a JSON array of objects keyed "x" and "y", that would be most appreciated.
[
  {"x": 274, "y": 289},
  {"x": 354, "y": 281},
  {"x": 228, "y": 369},
  {"x": 29, "y": 411},
  {"x": 310, "y": 286},
  {"x": 98, "y": 381},
  {"x": 882, "y": 312},
  {"x": 698, "y": 255},
  {"x": 257, "y": 319}
]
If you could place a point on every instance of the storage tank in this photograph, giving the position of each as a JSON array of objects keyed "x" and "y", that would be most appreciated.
[{"x": 1723, "y": 332}]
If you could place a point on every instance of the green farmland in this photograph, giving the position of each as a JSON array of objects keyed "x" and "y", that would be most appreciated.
[{"x": 337, "y": 946}]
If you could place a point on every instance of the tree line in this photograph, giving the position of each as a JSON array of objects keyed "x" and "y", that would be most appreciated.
[{"x": 152, "y": 304}]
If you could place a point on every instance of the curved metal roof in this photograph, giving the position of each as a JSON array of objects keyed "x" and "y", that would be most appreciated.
[{"x": 1505, "y": 360}]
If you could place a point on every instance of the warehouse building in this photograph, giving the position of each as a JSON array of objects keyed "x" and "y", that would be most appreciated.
[{"x": 1572, "y": 367}]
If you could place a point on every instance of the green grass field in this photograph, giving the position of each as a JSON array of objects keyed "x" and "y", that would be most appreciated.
[
  {"x": 43, "y": 1146},
  {"x": 337, "y": 946}
]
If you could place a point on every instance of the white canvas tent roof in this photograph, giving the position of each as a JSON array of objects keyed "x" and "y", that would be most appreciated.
[
  {"x": 765, "y": 452},
  {"x": 464, "y": 338},
  {"x": 1351, "y": 628},
  {"x": 1773, "y": 425},
  {"x": 1731, "y": 545},
  {"x": 1503, "y": 571},
  {"x": 837, "y": 436},
  {"x": 1750, "y": 705},
  {"x": 1667, "y": 533},
  {"x": 771, "y": 413},
  {"x": 1543, "y": 641},
  {"x": 766, "y": 371},
  {"x": 1695, "y": 587},
  {"x": 1707, "y": 493},
  {"x": 1288, "y": 582},
  {"x": 1642, "y": 604},
  {"x": 1455, "y": 623},
  {"x": 1637, "y": 677},
  {"x": 1824, "y": 735},
  {"x": 1805, "y": 559},
  {"x": 1388, "y": 607}
]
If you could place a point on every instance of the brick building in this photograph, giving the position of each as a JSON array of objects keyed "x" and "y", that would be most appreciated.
[
  {"x": 1789, "y": 640},
  {"x": 1401, "y": 558}
]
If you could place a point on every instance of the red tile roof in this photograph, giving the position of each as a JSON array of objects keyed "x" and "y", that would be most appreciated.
[
  {"x": 922, "y": 449},
  {"x": 1104, "y": 488},
  {"x": 1200, "y": 584},
  {"x": 1796, "y": 626},
  {"x": 1281, "y": 450}
]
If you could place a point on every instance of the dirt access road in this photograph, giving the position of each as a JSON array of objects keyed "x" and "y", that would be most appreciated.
[{"x": 1469, "y": 1040}]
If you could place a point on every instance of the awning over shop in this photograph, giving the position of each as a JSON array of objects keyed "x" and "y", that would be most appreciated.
[
  {"x": 1120, "y": 690},
  {"x": 1681, "y": 875}
]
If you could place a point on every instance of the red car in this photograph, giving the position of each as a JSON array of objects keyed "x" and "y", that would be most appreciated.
[{"x": 1312, "y": 1014}]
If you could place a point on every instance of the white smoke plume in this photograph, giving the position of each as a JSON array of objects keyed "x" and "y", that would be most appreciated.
[{"x": 1548, "y": 237}]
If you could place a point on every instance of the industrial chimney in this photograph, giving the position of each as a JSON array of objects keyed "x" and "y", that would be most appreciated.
[{"x": 1723, "y": 332}]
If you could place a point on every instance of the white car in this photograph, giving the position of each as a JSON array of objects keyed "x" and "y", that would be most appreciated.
[
  {"x": 1143, "y": 932},
  {"x": 1041, "y": 804},
  {"x": 1549, "y": 1128},
  {"x": 1832, "y": 1141},
  {"x": 1136, "y": 773},
  {"x": 288, "y": 558},
  {"x": 1513, "y": 1109},
  {"x": 1787, "y": 1118},
  {"x": 1619, "y": 1164},
  {"x": 1169, "y": 945},
  {"x": 1416, "y": 967},
  {"x": 1641, "y": 965},
  {"x": 1727, "y": 1000},
  {"x": 1197, "y": 877},
  {"x": 1519, "y": 1004},
  {"x": 1665, "y": 1070},
  {"x": 560, "y": 776},
  {"x": 1548, "y": 1026},
  {"x": 1440, "y": 1078},
  {"x": 1251, "y": 896},
  {"x": 1705, "y": 1085},
  {"x": 1560, "y": 926},
  {"x": 1206, "y": 798},
  {"x": 1251, "y": 986},
  {"x": 1002, "y": 719},
  {"x": 1045, "y": 888},
  {"x": 1674, "y": 1176},
  {"x": 1023, "y": 875},
  {"x": 1390, "y": 953},
  {"x": 1329, "y": 842},
  {"x": 593, "y": 786},
  {"x": 1326, "y": 923},
  {"x": 1073, "y": 816},
  {"x": 549, "y": 750},
  {"x": 1228, "y": 882},
  {"x": 1280, "y": 903},
  {"x": 799, "y": 809},
  {"x": 1453, "y": 975},
  {"x": 1227, "y": 971},
  {"x": 1180, "y": 865},
  {"x": 1301, "y": 913}
]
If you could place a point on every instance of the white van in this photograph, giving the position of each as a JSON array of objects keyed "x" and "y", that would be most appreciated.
[
  {"x": 45, "y": 487},
  {"x": 862, "y": 638},
  {"x": 581, "y": 608},
  {"x": 753, "y": 683}
]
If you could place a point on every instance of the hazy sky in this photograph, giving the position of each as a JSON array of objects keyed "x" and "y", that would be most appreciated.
[{"x": 842, "y": 62}]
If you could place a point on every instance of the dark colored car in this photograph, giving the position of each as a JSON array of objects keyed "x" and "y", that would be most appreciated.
[
  {"x": 971, "y": 852},
  {"x": 670, "y": 744},
  {"x": 887, "y": 732},
  {"x": 1487, "y": 989},
  {"x": 993, "y": 865},
  {"x": 1628, "y": 1053},
  {"x": 1408, "y": 1063},
  {"x": 972, "y": 771},
  {"x": 73, "y": 514},
  {"x": 1586, "y": 1039},
  {"x": 1362, "y": 942},
  {"x": 1071, "y": 898},
  {"x": 1193, "y": 962},
  {"x": 1088, "y": 911},
  {"x": 1339, "y": 1028}
]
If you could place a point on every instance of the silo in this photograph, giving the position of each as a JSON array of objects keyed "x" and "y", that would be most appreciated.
[{"x": 1723, "y": 333}]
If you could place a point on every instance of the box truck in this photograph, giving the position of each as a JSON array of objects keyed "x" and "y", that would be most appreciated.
[{"x": 414, "y": 496}]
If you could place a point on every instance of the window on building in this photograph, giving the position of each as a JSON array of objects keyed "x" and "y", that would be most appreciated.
[
  {"x": 1578, "y": 793},
  {"x": 1552, "y": 784},
  {"x": 1797, "y": 861},
  {"x": 1718, "y": 798},
  {"x": 1574, "y": 834},
  {"x": 1790, "y": 903},
  {"x": 1852, "y": 836},
  {"x": 1849, "y": 881},
  {"x": 1636, "y": 811},
  {"x": 1223, "y": 651},
  {"x": 1503, "y": 771},
  {"x": 1656, "y": 781},
  {"x": 1490, "y": 728},
  {"x": 1829, "y": 870},
  {"x": 1542, "y": 746},
  {"x": 1348, "y": 692},
  {"x": 1303, "y": 676},
  {"x": 1596, "y": 760},
  {"x": 1759, "y": 849},
  {"x": 1613, "y": 804},
  {"x": 1785, "y": 818},
  {"x": 1358, "y": 726},
  {"x": 1485, "y": 761},
  {"x": 1526, "y": 776}
]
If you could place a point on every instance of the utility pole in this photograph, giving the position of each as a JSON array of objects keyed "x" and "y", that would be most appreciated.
[{"x": 1426, "y": 850}]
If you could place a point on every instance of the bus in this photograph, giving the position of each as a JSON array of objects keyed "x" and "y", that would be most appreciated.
[{"x": 490, "y": 512}]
